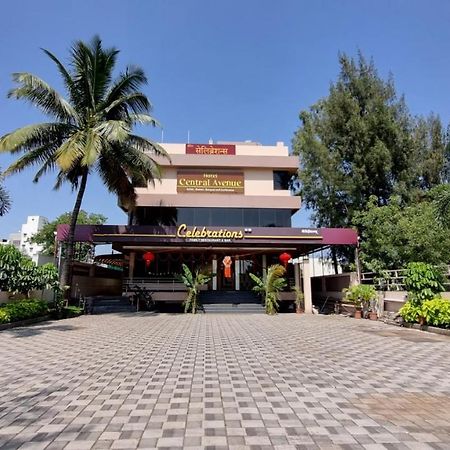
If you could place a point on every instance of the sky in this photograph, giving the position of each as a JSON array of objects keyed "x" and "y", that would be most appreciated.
[{"x": 222, "y": 70}]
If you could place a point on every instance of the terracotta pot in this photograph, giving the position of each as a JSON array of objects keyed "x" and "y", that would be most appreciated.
[
  {"x": 373, "y": 315},
  {"x": 358, "y": 314},
  {"x": 299, "y": 310}
]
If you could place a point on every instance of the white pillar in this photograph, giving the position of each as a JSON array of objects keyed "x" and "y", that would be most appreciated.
[
  {"x": 131, "y": 265},
  {"x": 307, "y": 286},
  {"x": 264, "y": 265},
  {"x": 237, "y": 273},
  {"x": 214, "y": 271},
  {"x": 297, "y": 275}
]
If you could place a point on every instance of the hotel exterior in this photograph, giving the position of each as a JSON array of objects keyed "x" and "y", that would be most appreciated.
[{"x": 225, "y": 208}]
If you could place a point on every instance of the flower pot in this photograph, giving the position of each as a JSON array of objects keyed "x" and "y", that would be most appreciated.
[
  {"x": 373, "y": 315},
  {"x": 299, "y": 310},
  {"x": 358, "y": 314}
]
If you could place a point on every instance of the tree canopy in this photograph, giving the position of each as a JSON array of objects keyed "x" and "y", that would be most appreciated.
[
  {"x": 90, "y": 131},
  {"x": 46, "y": 236}
]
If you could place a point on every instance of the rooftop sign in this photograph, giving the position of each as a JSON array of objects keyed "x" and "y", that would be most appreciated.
[{"x": 210, "y": 149}]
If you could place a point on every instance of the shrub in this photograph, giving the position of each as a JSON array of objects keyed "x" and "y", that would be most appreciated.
[
  {"x": 423, "y": 281},
  {"x": 4, "y": 316},
  {"x": 436, "y": 312},
  {"x": 410, "y": 312},
  {"x": 24, "y": 309},
  {"x": 72, "y": 311},
  {"x": 361, "y": 295}
]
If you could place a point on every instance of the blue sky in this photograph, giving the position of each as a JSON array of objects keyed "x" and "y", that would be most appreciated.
[{"x": 226, "y": 70}]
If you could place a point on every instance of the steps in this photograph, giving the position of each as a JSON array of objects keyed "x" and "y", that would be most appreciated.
[
  {"x": 242, "y": 302},
  {"x": 106, "y": 304}
]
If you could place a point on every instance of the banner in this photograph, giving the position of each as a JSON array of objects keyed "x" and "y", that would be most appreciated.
[
  {"x": 210, "y": 149},
  {"x": 213, "y": 182}
]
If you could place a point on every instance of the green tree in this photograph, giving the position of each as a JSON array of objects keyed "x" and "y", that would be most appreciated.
[
  {"x": 90, "y": 131},
  {"x": 46, "y": 236},
  {"x": 193, "y": 280},
  {"x": 5, "y": 202},
  {"x": 394, "y": 235}
]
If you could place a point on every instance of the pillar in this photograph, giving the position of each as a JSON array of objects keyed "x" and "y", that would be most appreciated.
[
  {"x": 214, "y": 271},
  {"x": 307, "y": 286},
  {"x": 297, "y": 275},
  {"x": 264, "y": 265},
  {"x": 237, "y": 274},
  {"x": 131, "y": 265}
]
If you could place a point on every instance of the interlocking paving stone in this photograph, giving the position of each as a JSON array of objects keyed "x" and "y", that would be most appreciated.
[{"x": 125, "y": 381}]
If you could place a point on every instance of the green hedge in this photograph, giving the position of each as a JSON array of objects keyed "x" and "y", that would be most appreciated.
[
  {"x": 434, "y": 312},
  {"x": 23, "y": 309}
]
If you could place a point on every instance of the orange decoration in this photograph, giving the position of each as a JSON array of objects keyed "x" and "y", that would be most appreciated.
[{"x": 227, "y": 261}]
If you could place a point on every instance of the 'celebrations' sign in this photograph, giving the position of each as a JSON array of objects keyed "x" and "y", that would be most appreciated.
[
  {"x": 206, "y": 234},
  {"x": 210, "y": 149},
  {"x": 212, "y": 182}
]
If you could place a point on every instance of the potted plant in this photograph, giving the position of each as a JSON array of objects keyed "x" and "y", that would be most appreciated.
[
  {"x": 299, "y": 300},
  {"x": 355, "y": 294},
  {"x": 369, "y": 300}
]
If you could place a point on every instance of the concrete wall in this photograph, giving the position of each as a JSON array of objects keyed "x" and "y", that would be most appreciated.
[
  {"x": 89, "y": 286},
  {"x": 330, "y": 286}
]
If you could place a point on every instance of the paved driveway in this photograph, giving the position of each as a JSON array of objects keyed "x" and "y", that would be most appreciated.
[{"x": 225, "y": 381}]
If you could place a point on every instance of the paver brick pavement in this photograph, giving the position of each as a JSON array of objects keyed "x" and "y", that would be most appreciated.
[{"x": 126, "y": 381}]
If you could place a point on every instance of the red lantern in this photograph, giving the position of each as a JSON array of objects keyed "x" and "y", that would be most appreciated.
[
  {"x": 148, "y": 258},
  {"x": 284, "y": 258}
]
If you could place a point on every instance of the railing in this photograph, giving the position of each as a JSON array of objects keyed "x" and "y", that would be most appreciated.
[
  {"x": 153, "y": 284},
  {"x": 392, "y": 280}
]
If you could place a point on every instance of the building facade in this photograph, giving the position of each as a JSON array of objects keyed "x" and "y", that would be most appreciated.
[{"x": 224, "y": 208}]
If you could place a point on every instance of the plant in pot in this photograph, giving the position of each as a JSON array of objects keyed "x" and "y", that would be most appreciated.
[
  {"x": 369, "y": 301},
  {"x": 351, "y": 295},
  {"x": 299, "y": 300}
]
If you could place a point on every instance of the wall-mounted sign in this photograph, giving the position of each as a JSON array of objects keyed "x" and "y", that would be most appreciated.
[
  {"x": 210, "y": 149},
  {"x": 212, "y": 182},
  {"x": 205, "y": 234}
]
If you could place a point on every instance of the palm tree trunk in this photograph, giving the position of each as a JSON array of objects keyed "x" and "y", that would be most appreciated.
[{"x": 66, "y": 271}]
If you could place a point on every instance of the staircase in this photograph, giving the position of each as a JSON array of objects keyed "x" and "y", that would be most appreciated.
[
  {"x": 242, "y": 302},
  {"x": 108, "y": 304}
]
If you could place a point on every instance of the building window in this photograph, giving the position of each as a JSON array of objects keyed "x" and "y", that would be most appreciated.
[{"x": 281, "y": 180}]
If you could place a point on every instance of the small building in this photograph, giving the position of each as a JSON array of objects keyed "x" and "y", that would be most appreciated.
[{"x": 223, "y": 207}]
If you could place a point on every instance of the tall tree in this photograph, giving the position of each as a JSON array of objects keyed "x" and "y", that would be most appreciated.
[
  {"x": 5, "y": 202},
  {"x": 90, "y": 131},
  {"x": 353, "y": 144}
]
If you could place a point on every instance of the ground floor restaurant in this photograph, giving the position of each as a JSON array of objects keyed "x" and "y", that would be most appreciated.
[{"x": 152, "y": 257}]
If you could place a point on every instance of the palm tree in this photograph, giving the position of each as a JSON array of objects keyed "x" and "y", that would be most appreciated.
[
  {"x": 270, "y": 286},
  {"x": 5, "y": 202},
  {"x": 90, "y": 131}
]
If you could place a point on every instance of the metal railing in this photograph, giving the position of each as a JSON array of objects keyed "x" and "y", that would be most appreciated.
[
  {"x": 153, "y": 284},
  {"x": 393, "y": 280}
]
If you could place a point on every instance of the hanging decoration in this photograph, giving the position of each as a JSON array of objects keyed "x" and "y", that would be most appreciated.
[
  {"x": 284, "y": 258},
  {"x": 227, "y": 261},
  {"x": 148, "y": 258}
]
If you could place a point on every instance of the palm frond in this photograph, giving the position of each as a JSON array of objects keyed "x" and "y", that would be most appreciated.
[
  {"x": 71, "y": 151},
  {"x": 36, "y": 91},
  {"x": 39, "y": 155},
  {"x": 34, "y": 136},
  {"x": 5, "y": 201}
]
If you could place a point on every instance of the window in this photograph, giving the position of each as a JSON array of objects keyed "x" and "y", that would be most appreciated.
[{"x": 281, "y": 180}]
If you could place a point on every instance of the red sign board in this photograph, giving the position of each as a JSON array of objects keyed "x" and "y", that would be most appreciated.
[{"x": 210, "y": 149}]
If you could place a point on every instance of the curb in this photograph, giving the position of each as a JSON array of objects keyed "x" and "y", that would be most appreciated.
[
  {"x": 24, "y": 323},
  {"x": 428, "y": 328}
]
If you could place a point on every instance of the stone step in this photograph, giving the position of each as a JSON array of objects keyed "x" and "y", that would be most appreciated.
[{"x": 243, "y": 308}]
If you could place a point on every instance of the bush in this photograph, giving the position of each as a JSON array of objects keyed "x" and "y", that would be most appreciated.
[
  {"x": 23, "y": 309},
  {"x": 72, "y": 311},
  {"x": 410, "y": 312},
  {"x": 4, "y": 316},
  {"x": 437, "y": 312},
  {"x": 423, "y": 281}
]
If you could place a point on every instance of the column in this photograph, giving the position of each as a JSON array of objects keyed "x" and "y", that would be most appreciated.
[
  {"x": 297, "y": 274},
  {"x": 264, "y": 265},
  {"x": 307, "y": 286},
  {"x": 131, "y": 265},
  {"x": 237, "y": 274},
  {"x": 214, "y": 271}
]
